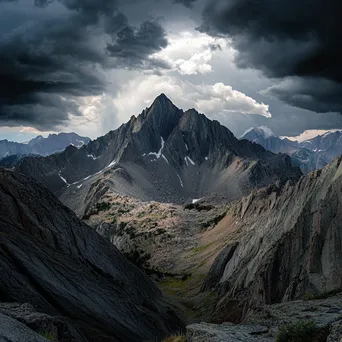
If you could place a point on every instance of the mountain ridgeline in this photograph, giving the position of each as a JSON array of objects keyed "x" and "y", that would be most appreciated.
[
  {"x": 40, "y": 145},
  {"x": 165, "y": 155},
  {"x": 309, "y": 155},
  {"x": 284, "y": 244}
]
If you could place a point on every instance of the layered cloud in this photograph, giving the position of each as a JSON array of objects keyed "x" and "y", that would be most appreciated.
[{"x": 297, "y": 40}]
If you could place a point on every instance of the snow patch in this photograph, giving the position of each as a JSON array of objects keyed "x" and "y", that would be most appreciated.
[
  {"x": 247, "y": 131},
  {"x": 159, "y": 153},
  {"x": 188, "y": 159},
  {"x": 165, "y": 159},
  {"x": 180, "y": 180},
  {"x": 263, "y": 130},
  {"x": 195, "y": 200},
  {"x": 63, "y": 179},
  {"x": 206, "y": 158},
  {"x": 81, "y": 143},
  {"x": 110, "y": 165},
  {"x": 80, "y": 186},
  {"x": 186, "y": 146},
  {"x": 91, "y": 156}
]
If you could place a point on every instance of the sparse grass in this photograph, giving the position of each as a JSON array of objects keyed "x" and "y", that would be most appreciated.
[
  {"x": 175, "y": 338},
  {"x": 174, "y": 286},
  {"x": 325, "y": 295},
  {"x": 201, "y": 248},
  {"x": 49, "y": 336},
  {"x": 300, "y": 331}
]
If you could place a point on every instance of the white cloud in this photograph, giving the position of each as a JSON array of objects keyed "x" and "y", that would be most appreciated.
[
  {"x": 223, "y": 98},
  {"x": 212, "y": 100},
  {"x": 198, "y": 63},
  {"x": 189, "y": 53},
  {"x": 310, "y": 134}
]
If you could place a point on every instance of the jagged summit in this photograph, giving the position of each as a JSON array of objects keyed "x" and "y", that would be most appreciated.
[
  {"x": 162, "y": 98},
  {"x": 164, "y": 154}
]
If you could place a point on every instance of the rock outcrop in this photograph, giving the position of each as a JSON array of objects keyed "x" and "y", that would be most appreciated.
[
  {"x": 262, "y": 323},
  {"x": 284, "y": 244},
  {"x": 64, "y": 269},
  {"x": 12, "y": 330},
  {"x": 227, "y": 332}
]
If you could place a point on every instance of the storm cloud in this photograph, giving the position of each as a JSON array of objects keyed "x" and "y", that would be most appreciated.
[
  {"x": 298, "y": 42},
  {"x": 52, "y": 52}
]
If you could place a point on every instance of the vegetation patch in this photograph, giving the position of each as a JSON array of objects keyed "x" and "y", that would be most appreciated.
[
  {"x": 139, "y": 258},
  {"x": 175, "y": 338},
  {"x": 175, "y": 286},
  {"x": 201, "y": 248},
  {"x": 300, "y": 331},
  {"x": 49, "y": 336},
  {"x": 102, "y": 206},
  {"x": 325, "y": 295}
]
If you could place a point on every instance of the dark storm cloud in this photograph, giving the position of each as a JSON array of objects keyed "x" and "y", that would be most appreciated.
[
  {"x": 315, "y": 94},
  {"x": 54, "y": 51},
  {"x": 135, "y": 46},
  {"x": 186, "y": 3},
  {"x": 300, "y": 40}
]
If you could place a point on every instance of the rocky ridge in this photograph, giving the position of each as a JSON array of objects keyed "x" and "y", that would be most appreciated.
[
  {"x": 65, "y": 270},
  {"x": 285, "y": 244},
  {"x": 164, "y": 155}
]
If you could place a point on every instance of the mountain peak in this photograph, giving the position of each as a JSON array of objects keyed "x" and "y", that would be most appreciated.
[
  {"x": 162, "y": 99},
  {"x": 263, "y": 131}
]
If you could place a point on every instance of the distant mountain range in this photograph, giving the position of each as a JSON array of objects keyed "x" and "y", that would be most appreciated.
[
  {"x": 42, "y": 146},
  {"x": 164, "y": 154},
  {"x": 309, "y": 155}
]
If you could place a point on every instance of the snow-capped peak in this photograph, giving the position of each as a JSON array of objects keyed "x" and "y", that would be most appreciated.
[
  {"x": 261, "y": 130},
  {"x": 265, "y": 131}
]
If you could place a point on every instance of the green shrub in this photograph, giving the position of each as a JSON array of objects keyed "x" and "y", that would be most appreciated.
[
  {"x": 300, "y": 331},
  {"x": 102, "y": 206},
  {"x": 49, "y": 336}
]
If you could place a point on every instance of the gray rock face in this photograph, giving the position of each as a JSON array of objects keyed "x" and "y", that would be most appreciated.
[
  {"x": 227, "y": 332},
  {"x": 53, "y": 261},
  {"x": 289, "y": 243},
  {"x": 165, "y": 155},
  {"x": 262, "y": 323},
  {"x": 42, "y": 146},
  {"x": 336, "y": 332},
  {"x": 57, "y": 327},
  {"x": 13, "y": 331}
]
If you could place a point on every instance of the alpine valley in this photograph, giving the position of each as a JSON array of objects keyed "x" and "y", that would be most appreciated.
[{"x": 167, "y": 222}]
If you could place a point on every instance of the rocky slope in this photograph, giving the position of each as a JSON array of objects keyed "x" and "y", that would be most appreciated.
[
  {"x": 165, "y": 155},
  {"x": 42, "y": 146},
  {"x": 67, "y": 271},
  {"x": 283, "y": 243},
  {"x": 309, "y": 155},
  {"x": 263, "y": 324}
]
